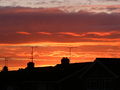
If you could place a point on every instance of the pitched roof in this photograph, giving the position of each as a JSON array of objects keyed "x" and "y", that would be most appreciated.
[
  {"x": 112, "y": 63},
  {"x": 56, "y": 73}
]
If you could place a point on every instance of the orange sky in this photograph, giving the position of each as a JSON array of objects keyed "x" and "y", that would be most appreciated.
[
  {"x": 92, "y": 34},
  {"x": 18, "y": 56}
]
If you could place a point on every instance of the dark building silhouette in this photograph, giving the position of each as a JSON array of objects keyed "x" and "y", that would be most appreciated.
[
  {"x": 30, "y": 65},
  {"x": 5, "y": 69},
  {"x": 102, "y": 74},
  {"x": 65, "y": 61}
]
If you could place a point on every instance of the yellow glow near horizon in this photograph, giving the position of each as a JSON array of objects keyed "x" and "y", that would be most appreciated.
[{"x": 47, "y": 44}]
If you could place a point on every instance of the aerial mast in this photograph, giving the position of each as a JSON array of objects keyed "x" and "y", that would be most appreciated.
[
  {"x": 30, "y": 65},
  {"x": 6, "y": 61},
  {"x": 70, "y": 51},
  {"x": 32, "y": 54},
  {"x": 5, "y": 68}
]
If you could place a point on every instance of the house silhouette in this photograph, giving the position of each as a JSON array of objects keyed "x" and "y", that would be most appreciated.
[{"x": 102, "y": 74}]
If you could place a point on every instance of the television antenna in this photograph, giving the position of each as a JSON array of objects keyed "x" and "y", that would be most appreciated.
[
  {"x": 32, "y": 53},
  {"x": 70, "y": 51},
  {"x": 6, "y": 61}
]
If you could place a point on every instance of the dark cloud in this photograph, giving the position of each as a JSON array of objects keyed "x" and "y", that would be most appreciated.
[{"x": 32, "y": 22}]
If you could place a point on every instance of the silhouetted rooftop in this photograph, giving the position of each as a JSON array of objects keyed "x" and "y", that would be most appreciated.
[
  {"x": 44, "y": 73},
  {"x": 112, "y": 63},
  {"x": 64, "y": 71}
]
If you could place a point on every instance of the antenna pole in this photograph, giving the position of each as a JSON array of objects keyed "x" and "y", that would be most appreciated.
[
  {"x": 70, "y": 51},
  {"x": 6, "y": 61},
  {"x": 32, "y": 54}
]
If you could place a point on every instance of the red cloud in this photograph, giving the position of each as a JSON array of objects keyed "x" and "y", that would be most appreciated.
[
  {"x": 24, "y": 33},
  {"x": 100, "y": 33},
  {"x": 45, "y": 33},
  {"x": 70, "y": 33}
]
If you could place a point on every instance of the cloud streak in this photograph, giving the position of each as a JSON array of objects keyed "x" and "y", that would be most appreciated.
[
  {"x": 45, "y": 33},
  {"x": 24, "y": 33},
  {"x": 70, "y": 33},
  {"x": 24, "y": 27}
]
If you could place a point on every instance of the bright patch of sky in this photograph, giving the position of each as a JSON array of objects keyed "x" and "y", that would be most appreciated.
[
  {"x": 68, "y": 6},
  {"x": 55, "y": 3}
]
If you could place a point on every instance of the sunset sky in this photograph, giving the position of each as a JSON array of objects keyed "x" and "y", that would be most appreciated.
[{"x": 92, "y": 27}]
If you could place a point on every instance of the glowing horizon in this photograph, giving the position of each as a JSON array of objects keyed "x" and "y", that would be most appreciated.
[{"x": 52, "y": 26}]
